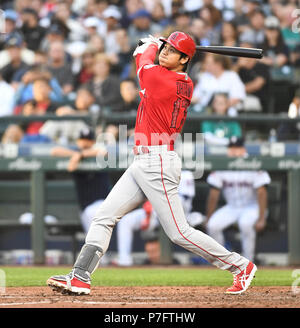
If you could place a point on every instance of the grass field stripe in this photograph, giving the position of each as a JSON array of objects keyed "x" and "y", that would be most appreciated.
[{"x": 162, "y": 179}]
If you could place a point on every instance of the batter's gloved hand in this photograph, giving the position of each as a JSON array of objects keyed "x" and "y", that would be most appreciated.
[
  {"x": 151, "y": 39},
  {"x": 144, "y": 43}
]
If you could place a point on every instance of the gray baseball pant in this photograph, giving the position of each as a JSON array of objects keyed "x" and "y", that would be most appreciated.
[{"x": 156, "y": 175}]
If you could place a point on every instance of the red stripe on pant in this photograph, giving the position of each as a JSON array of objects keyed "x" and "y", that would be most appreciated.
[{"x": 162, "y": 179}]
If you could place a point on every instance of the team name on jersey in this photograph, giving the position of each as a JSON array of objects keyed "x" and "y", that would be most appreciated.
[
  {"x": 227, "y": 184},
  {"x": 184, "y": 89}
]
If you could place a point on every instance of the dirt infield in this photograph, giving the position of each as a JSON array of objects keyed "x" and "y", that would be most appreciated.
[{"x": 151, "y": 297}]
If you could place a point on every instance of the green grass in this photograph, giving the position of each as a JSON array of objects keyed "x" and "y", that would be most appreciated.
[{"x": 172, "y": 276}]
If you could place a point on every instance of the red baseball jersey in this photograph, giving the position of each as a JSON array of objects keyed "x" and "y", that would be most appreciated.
[{"x": 165, "y": 98}]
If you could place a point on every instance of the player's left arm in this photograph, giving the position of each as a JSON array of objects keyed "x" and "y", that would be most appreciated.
[
  {"x": 262, "y": 199},
  {"x": 89, "y": 152}
]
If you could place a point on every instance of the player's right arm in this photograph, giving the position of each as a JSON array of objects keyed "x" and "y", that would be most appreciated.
[{"x": 62, "y": 152}]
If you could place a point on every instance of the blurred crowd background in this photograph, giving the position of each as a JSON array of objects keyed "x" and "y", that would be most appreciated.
[{"x": 74, "y": 57}]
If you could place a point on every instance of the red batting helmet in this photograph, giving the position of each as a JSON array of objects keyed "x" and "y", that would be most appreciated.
[{"x": 182, "y": 42}]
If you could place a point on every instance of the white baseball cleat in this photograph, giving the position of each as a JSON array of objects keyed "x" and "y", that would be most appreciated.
[{"x": 242, "y": 281}]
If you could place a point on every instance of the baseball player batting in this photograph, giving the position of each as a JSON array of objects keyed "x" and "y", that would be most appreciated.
[{"x": 166, "y": 92}]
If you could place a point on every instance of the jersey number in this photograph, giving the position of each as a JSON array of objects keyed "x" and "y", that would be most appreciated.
[{"x": 179, "y": 104}]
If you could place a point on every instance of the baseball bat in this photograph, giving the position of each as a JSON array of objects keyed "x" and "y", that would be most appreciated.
[{"x": 232, "y": 51}]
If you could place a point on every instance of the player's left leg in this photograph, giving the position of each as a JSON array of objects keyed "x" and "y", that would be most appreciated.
[
  {"x": 159, "y": 181},
  {"x": 246, "y": 225},
  {"x": 124, "y": 197}
]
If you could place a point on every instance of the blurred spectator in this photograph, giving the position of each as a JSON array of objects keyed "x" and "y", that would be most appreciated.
[
  {"x": 219, "y": 132},
  {"x": 256, "y": 31},
  {"x": 33, "y": 33},
  {"x": 24, "y": 78},
  {"x": 56, "y": 32},
  {"x": 181, "y": 20},
  {"x": 14, "y": 47},
  {"x": 105, "y": 87},
  {"x": 86, "y": 71},
  {"x": 97, "y": 43},
  {"x": 244, "y": 10},
  {"x": 291, "y": 130},
  {"x": 13, "y": 134},
  {"x": 74, "y": 52},
  {"x": 91, "y": 187},
  {"x": 60, "y": 68},
  {"x": 198, "y": 32},
  {"x": 11, "y": 18},
  {"x": 36, "y": 5},
  {"x": 129, "y": 104},
  {"x": 111, "y": 16},
  {"x": 130, "y": 95},
  {"x": 141, "y": 26},
  {"x": 256, "y": 77},
  {"x": 130, "y": 7},
  {"x": 229, "y": 34},
  {"x": 63, "y": 15},
  {"x": 239, "y": 13},
  {"x": 123, "y": 59},
  {"x": 67, "y": 132},
  {"x": 218, "y": 77},
  {"x": 7, "y": 98},
  {"x": 175, "y": 7},
  {"x": 290, "y": 37},
  {"x": 94, "y": 7},
  {"x": 159, "y": 16},
  {"x": 48, "y": 8},
  {"x": 93, "y": 25},
  {"x": 276, "y": 52},
  {"x": 213, "y": 21},
  {"x": 39, "y": 105}
]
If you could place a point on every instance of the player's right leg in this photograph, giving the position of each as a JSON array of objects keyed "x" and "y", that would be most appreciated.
[
  {"x": 246, "y": 224},
  {"x": 125, "y": 229},
  {"x": 125, "y": 196},
  {"x": 220, "y": 220}
]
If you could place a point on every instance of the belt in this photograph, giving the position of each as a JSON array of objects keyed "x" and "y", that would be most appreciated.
[{"x": 139, "y": 150}]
